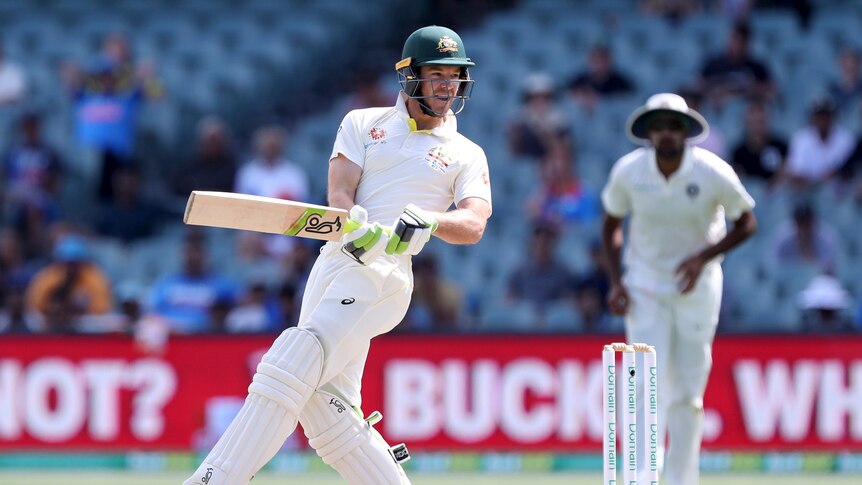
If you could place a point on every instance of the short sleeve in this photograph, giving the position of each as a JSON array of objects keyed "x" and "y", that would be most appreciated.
[
  {"x": 474, "y": 180},
  {"x": 348, "y": 140},
  {"x": 615, "y": 198},
  {"x": 732, "y": 194}
]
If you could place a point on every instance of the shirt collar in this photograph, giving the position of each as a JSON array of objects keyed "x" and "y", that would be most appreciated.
[
  {"x": 446, "y": 130},
  {"x": 684, "y": 167}
]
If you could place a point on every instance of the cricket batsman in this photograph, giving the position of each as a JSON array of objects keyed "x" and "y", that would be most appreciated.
[
  {"x": 398, "y": 170},
  {"x": 677, "y": 197}
]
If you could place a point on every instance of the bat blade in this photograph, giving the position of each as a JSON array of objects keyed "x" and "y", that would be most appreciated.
[{"x": 264, "y": 214}]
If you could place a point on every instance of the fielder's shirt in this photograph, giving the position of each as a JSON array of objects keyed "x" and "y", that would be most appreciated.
[
  {"x": 401, "y": 165},
  {"x": 671, "y": 218}
]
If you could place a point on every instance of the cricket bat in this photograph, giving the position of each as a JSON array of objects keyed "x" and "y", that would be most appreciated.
[{"x": 266, "y": 214}]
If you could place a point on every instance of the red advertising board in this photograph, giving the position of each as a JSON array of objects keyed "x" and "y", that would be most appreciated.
[{"x": 530, "y": 393}]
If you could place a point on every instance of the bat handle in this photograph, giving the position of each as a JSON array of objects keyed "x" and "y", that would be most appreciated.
[{"x": 351, "y": 225}]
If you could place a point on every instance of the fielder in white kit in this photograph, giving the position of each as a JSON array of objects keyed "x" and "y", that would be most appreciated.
[
  {"x": 406, "y": 164},
  {"x": 677, "y": 198}
]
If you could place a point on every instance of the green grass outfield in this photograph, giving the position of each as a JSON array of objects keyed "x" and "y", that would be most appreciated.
[{"x": 55, "y": 477}]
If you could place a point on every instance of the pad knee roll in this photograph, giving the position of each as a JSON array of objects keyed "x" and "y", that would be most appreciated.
[
  {"x": 349, "y": 444},
  {"x": 290, "y": 370}
]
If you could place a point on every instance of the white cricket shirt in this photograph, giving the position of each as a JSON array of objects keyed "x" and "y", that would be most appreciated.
[
  {"x": 813, "y": 158},
  {"x": 400, "y": 165},
  {"x": 673, "y": 218},
  {"x": 283, "y": 180}
]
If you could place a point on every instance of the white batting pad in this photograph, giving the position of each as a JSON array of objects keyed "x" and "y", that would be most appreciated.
[
  {"x": 349, "y": 444},
  {"x": 286, "y": 377}
]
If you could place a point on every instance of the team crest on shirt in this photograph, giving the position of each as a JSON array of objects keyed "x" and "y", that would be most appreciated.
[
  {"x": 438, "y": 159},
  {"x": 691, "y": 190},
  {"x": 447, "y": 44}
]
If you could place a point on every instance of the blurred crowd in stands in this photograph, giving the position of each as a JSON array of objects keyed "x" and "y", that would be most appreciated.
[{"x": 54, "y": 279}]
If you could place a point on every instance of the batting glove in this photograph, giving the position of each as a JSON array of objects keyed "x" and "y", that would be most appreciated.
[
  {"x": 365, "y": 243},
  {"x": 411, "y": 231}
]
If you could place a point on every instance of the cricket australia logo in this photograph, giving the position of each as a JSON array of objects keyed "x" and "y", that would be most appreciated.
[
  {"x": 438, "y": 159},
  {"x": 337, "y": 404},
  {"x": 447, "y": 44}
]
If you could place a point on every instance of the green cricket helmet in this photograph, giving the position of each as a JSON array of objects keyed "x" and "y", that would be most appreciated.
[{"x": 434, "y": 46}]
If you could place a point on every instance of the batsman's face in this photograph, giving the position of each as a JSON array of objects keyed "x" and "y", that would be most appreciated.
[
  {"x": 440, "y": 85},
  {"x": 667, "y": 134}
]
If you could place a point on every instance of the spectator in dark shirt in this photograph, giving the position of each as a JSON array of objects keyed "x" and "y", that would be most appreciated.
[
  {"x": 846, "y": 90},
  {"x": 541, "y": 126},
  {"x": 32, "y": 175},
  {"x": 735, "y": 72},
  {"x": 15, "y": 317},
  {"x": 802, "y": 8},
  {"x": 214, "y": 167},
  {"x": 15, "y": 270},
  {"x": 805, "y": 240},
  {"x": 591, "y": 291},
  {"x": 541, "y": 278},
  {"x": 436, "y": 303},
  {"x": 601, "y": 79},
  {"x": 128, "y": 216},
  {"x": 673, "y": 10},
  {"x": 761, "y": 153},
  {"x": 851, "y": 171}
]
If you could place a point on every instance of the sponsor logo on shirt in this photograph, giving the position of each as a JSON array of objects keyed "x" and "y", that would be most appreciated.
[
  {"x": 377, "y": 133},
  {"x": 438, "y": 159},
  {"x": 376, "y": 136}
]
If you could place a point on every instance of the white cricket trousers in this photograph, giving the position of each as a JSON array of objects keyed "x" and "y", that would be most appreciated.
[
  {"x": 682, "y": 329},
  {"x": 345, "y": 305}
]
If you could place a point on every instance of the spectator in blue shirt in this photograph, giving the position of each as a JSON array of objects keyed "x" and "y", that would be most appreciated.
[
  {"x": 563, "y": 198},
  {"x": 107, "y": 99},
  {"x": 188, "y": 298}
]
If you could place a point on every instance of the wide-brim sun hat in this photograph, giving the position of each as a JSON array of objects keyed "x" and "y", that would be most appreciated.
[{"x": 636, "y": 126}]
